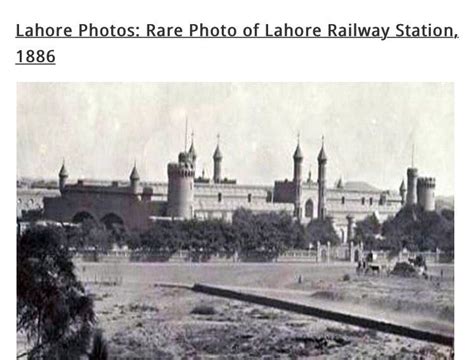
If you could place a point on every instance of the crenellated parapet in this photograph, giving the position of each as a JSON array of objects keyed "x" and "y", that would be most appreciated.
[
  {"x": 180, "y": 170},
  {"x": 426, "y": 193},
  {"x": 429, "y": 182}
]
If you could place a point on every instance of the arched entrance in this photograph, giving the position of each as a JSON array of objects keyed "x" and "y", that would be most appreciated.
[
  {"x": 111, "y": 221},
  {"x": 82, "y": 216},
  {"x": 308, "y": 209}
]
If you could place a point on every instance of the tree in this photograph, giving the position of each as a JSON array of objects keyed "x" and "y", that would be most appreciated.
[
  {"x": 322, "y": 231},
  {"x": 368, "y": 231},
  {"x": 53, "y": 310},
  {"x": 263, "y": 236},
  {"x": 415, "y": 229}
]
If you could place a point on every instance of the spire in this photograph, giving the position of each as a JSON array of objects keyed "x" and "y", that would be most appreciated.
[
  {"x": 217, "y": 153},
  {"x": 63, "y": 171},
  {"x": 322, "y": 154},
  {"x": 134, "y": 174},
  {"x": 340, "y": 184},
  {"x": 298, "y": 154},
  {"x": 186, "y": 134}
]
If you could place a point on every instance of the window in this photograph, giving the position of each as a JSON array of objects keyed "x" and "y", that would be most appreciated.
[
  {"x": 308, "y": 209},
  {"x": 343, "y": 200},
  {"x": 249, "y": 197},
  {"x": 371, "y": 201},
  {"x": 363, "y": 201},
  {"x": 219, "y": 197}
]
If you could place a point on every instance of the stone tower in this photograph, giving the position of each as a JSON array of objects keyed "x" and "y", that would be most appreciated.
[
  {"x": 298, "y": 179},
  {"x": 412, "y": 176},
  {"x": 217, "y": 164},
  {"x": 322, "y": 160},
  {"x": 134, "y": 179},
  {"x": 63, "y": 175},
  {"x": 403, "y": 192},
  {"x": 426, "y": 193},
  {"x": 181, "y": 187}
]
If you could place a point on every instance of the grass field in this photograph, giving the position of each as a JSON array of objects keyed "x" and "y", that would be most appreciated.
[{"x": 142, "y": 319}]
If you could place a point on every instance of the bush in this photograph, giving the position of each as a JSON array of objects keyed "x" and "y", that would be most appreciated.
[{"x": 203, "y": 310}]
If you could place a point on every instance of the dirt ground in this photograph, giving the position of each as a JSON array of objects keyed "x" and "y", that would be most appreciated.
[{"x": 142, "y": 319}]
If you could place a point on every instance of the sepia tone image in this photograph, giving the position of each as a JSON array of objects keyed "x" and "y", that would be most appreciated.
[{"x": 235, "y": 220}]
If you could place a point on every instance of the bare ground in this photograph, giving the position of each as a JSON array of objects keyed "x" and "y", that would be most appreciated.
[{"x": 144, "y": 320}]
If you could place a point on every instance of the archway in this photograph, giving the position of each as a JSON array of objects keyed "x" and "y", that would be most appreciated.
[
  {"x": 82, "y": 216},
  {"x": 308, "y": 209},
  {"x": 324, "y": 255},
  {"x": 112, "y": 220}
]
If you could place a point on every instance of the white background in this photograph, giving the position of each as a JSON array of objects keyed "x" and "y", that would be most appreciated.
[{"x": 244, "y": 60}]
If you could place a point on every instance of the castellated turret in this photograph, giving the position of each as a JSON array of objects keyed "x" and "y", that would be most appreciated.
[
  {"x": 63, "y": 175},
  {"x": 403, "y": 192},
  {"x": 134, "y": 179},
  {"x": 181, "y": 187},
  {"x": 217, "y": 157},
  {"x": 426, "y": 193},
  {"x": 412, "y": 175}
]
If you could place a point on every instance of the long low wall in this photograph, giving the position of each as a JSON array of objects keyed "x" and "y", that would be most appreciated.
[
  {"x": 327, "y": 314},
  {"x": 336, "y": 254}
]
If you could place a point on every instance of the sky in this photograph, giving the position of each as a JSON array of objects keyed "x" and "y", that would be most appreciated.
[{"x": 370, "y": 129}]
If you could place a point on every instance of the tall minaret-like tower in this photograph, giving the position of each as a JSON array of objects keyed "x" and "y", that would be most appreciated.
[
  {"x": 322, "y": 160},
  {"x": 217, "y": 163},
  {"x": 297, "y": 178},
  {"x": 63, "y": 175}
]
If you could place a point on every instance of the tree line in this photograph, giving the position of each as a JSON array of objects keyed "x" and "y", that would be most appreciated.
[
  {"x": 411, "y": 228},
  {"x": 252, "y": 235},
  {"x": 264, "y": 236}
]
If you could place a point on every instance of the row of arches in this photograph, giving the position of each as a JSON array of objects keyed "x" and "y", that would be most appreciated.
[{"x": 110, "y": 220}]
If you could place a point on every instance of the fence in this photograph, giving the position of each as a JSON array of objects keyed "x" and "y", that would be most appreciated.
[{"x": 324, "y": 254}]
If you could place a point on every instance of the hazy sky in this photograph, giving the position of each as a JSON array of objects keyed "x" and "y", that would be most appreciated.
[{"x": 369, "y": 129}]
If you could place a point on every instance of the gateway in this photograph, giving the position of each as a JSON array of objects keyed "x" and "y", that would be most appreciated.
[{"x": 354, "y": 30}]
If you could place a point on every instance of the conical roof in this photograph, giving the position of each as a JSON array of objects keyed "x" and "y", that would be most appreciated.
[
  {"x": 63, "y": 171},
  {"x": 322, "y": 154},
  {"x": 192, "y": 151},
  {"x": 134, "y": 174},
  {"x": 217, "y": 153},
  {"x": 298, "y": 155}
]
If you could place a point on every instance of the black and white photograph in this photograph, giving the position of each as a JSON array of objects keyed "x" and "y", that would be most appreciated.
[{"x": 235, "y": 220}]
